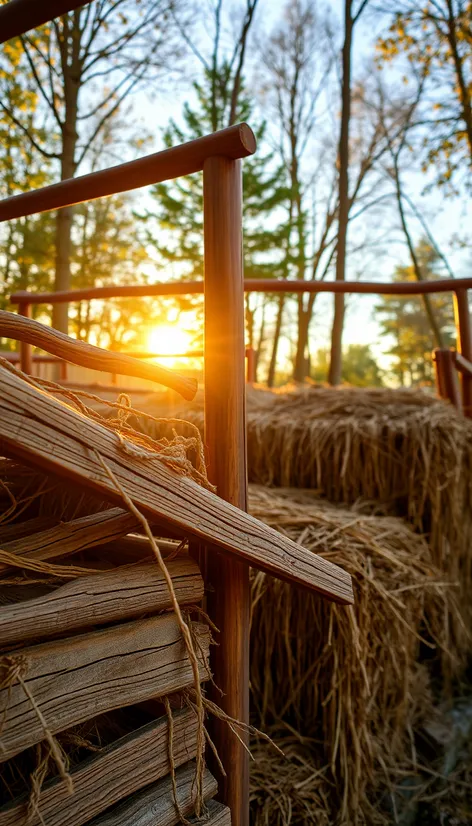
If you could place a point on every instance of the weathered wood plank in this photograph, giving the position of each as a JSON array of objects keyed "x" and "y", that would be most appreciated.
[
  {"x": 74, "y": 679},
  {"x": 41, "y": 431},
  {"x": 114, "y": 595},
  {"x": 17, "y": 530},
  {"x": 218, "y": 815},
  {"x": 101, "y": 781},
  {"x": 155, "y": 805},
  {"x": 71, "y": 537},
  {"x": 134, "y": 548},
  {"x": 84, "y": 354}
]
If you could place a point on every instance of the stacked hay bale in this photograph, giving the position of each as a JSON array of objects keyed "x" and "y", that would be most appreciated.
[
  {"x": 346, "y": 693},
  {"x": 343, "y": 689}
]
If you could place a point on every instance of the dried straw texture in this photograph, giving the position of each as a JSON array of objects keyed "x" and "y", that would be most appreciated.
[
  {"x": 346, "y": 679},
  {"x": 289, "y": 790},
  {"x": 403, "y": 451}
]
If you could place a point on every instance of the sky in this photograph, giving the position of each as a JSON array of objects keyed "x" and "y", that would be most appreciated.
[{"x": 446, "y": 217}]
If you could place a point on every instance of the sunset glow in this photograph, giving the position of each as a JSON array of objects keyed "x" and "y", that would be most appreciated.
[{"x": 169, "y": 340}]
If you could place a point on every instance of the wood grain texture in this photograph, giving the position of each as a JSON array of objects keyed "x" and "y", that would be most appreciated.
[
  {"x": 155, "y": 805},
  {"x": 71, "y": 537},
  {"x": 218, "y": 815},
  {"x": 17, "y": 530},
  {"x": 228, "y": 601},
  {"x": 31, "y": 332},
  {"x": 110, "y": 596},
  {"x": 119, "y": 770},
  {"x": 74, "y": 679},
  {"x": 41, "y": 431}
]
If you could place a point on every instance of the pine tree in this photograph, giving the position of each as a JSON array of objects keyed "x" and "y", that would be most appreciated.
[{"x": 179, "y": 214}]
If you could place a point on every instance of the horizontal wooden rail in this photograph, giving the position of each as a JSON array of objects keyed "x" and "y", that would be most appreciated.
[
  {"x": 255, "y": 285},
  {"x": 15, "y": 357},
  {"x": 86, "y": 355},
  {"x": 463, "y": 365},
  {"x": 19, "y": 16},
  {"x": 235, "y": 142}
]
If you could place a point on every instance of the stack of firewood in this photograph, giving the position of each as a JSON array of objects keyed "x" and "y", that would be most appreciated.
[{"x": 75, "y": 649}]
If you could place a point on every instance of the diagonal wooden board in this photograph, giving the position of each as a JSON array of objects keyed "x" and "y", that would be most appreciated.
[{"x": 43, "y": 432}]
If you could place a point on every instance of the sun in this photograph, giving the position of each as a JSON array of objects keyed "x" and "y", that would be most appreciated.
[{"x": 169, "y": 340}]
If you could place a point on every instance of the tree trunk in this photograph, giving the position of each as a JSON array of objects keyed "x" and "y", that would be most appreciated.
[
  {"x": 300, "y": 366},
  {"x": 438, "y": 338},
  {"x": 464, "y": 89},
  {"x": 335, "y": 366},
  {"x": 275, "y": 343},
  {"x": 71, "y": 73},
  {"x": 260, "y": 343}
]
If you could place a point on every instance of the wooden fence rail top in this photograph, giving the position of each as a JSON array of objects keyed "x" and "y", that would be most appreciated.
[
  {"x": 251, "y": 285},
  {"x": 234, "y": 142},
  {"x": 19, "y": 16},
  {"x": 86, "y": 355},
  {"x": 41, "y": 431}
]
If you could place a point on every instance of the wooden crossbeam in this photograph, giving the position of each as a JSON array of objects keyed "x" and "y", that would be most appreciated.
[
  {"x": 102, "y": 780},
  {"x": 120, "y": 594},
  {"x": 71, "y": 537},
  {"x": 76, "y": 678},
  {"x": 61, "y": 345},
  {"x": 41, "y": 431},
  {"x": 155, "y": 806}
]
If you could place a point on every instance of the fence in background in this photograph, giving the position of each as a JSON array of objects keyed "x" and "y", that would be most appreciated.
[{"x": 449, "y": 364}]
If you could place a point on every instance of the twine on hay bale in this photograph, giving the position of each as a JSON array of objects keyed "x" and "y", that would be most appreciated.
[{"x": 348, "y": 680}]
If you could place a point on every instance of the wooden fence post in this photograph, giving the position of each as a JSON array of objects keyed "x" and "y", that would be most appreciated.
[
  {"x": 447, "y": 382},
  {"x": 225, "y": 438},
  {"x": 250, "y": 365},
  {"x": 464, "y": 344},
  {"x": 26, "y": 350}
]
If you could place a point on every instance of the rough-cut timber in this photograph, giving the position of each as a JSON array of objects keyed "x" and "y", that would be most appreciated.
[
  {"x": 17, "y": 530},
  {"x": 71, "y": 537},
  {"x": 155, "y": 805},
  {"x": 32, "y": 421},
  {"x": 114, "y": 595},
  {"x": 86, "y": 355},
  {"x": 101, "y": 781},
  {"x": 77, "y": 678},
  {"x": 218, "y": 815}
]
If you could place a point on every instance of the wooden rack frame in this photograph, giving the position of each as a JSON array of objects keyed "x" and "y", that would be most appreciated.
[{"x": 218, "y": 156}]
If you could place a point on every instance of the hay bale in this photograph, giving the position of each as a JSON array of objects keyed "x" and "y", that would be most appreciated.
[
  {"x": 347, "y": 680},
  {"x": 405, "y": 452}
]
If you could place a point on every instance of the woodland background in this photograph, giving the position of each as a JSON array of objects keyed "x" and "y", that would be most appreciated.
[{"x": 363, "y": 114}]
